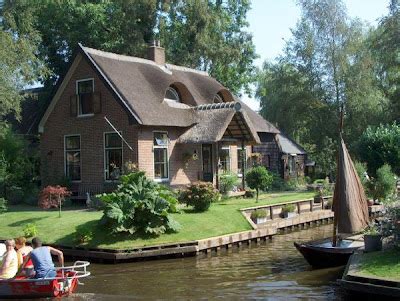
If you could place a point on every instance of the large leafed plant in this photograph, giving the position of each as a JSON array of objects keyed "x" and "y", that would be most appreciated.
[{"x": 139, "y": 206}]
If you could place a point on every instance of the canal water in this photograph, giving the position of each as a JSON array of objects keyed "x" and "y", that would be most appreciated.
[{"x": 271, "y": 271}]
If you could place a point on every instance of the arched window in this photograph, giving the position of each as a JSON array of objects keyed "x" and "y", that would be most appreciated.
[
  {"x": 218, "y": 98},
  {"x": 172, "y": 95}
]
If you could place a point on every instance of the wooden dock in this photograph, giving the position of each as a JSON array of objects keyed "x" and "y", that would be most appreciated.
[{"x": 353, "y": 281}]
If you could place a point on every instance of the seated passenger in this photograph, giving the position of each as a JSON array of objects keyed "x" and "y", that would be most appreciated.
[
  {"x": 9, "y": 267},
  {"x": 22, "y": 251},
  {"x": 41, "y": 258}
]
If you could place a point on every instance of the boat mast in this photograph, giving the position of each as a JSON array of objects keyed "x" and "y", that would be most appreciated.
[{"x": 336, "y": 215}]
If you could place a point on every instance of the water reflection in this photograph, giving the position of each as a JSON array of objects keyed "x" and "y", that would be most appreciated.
[{"x": 272, "y": 271}]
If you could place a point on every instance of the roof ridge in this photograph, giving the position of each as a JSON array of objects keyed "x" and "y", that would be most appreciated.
[
  {"x": 135, "y": 59},
  {"x": 235, "y": 105},
  {"x": 186, "y": 69}
]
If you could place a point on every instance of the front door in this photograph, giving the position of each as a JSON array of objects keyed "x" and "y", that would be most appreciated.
[{"x": 207, "y": 162}]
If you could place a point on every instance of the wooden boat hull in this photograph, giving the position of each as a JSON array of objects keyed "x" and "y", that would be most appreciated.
[
  {"x": 22, "y": 287},
  {"x": 319, "y": 256}
]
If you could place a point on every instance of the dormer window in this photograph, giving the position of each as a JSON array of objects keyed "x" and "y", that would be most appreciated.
[
  {"x": 84, "y": 91},
  {"x": 218, "y": 98},
  {"x": 172, "y": 95}
]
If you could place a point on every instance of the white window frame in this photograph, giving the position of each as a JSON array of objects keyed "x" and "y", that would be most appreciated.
[
  {"x": 239, "y": 148},
  {"x": 229, "y": 155},
  {"x": 80, "y": 155},
  {"x": 173, "y": 91},
  {"x": 108, "y": 148},
  {"x": 79, "y": 100},
  {"x": 154, "y": 163}
]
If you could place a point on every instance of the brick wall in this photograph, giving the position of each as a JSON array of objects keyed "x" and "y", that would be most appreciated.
[{"x": 91, "y": 129}]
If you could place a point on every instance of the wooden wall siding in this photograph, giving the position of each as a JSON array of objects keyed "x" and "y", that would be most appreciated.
[
  {"x": 299, "y": 170},
  {"x": 271, "y": 149}
]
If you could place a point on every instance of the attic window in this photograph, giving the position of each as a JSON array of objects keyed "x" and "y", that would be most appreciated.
[
  {"x": 218, "y": 98},
  {"x": 172, "y": 95}
]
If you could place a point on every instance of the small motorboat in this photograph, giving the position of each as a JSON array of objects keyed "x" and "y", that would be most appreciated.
[
  {"x": 64, "y": 284},
  {"x": 322, "y": 253},
  {"x": 351, "y": 215}
]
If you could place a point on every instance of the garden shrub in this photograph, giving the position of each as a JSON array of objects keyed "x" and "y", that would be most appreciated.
[
  {"x": 227, "y": 181},
  {"x": 83, "y": 235},
  {"x": 361, "y": 169},
  {"x": 53, "y": 197},
  {"x": 380, "y": 145},
  {"x": 259, "y": 178},
  {"x": 383, "y": 185},
  {"x": 3, "y": 205},
  {"x": 138, "y": 206},
  {"x": 30, "y": 230},
  {"x": 199, "y": 195},
  {"x": 278, "y": 184},
  {"x": 258, "y": 213}
]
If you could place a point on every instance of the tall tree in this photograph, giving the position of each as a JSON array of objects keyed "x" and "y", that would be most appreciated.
[
  {"x": 326, "y": 65},
  {"x": 385, "y": 46},
  {"x": 207, "y": 35},
  {"x": 20, "y": 65}
]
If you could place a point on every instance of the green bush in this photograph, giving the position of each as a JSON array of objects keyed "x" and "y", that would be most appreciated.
[
  {"x": 361, "y": 169},
  {"x": 380, "y": 145},
  {"x": 384, "y": 184},
  {"x": 258, "y": 213},
  {"x": 139, "y": 206},
  {"x": 278, "y": 184},
  {"x": 83, "y": 236},
  {"x": 199, "y": 195},
  {"x": 259, "y": 178},
  {"x": 227, "y": 181},
  {"x": 3, "y": 205},
  {"x": 30, "y": 230},
  {"x": 288, "y": 208}
]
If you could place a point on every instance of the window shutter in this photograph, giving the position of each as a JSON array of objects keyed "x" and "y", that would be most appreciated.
[
  {"x": 74, "y": 105},
  {"x": 96, "y": 103}
]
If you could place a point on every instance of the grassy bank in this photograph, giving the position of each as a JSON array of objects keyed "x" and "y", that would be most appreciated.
[
  {"x": 222, "y": 218},
  {"x": 384, "y": 264}
]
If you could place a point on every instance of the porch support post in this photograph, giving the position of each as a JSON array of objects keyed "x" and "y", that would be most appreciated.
[
  {"x": 243, "y": 164},
  {"x": 217, "y": 165}
]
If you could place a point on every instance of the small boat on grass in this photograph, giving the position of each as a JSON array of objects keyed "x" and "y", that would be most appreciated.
[
  {"x": 64, "y": 284},
  {"x": 350, "y": 216}
]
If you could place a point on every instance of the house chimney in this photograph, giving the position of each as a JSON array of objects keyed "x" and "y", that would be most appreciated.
[{"x": 156, "y": 53}]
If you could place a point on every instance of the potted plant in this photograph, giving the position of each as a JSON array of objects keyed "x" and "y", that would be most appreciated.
[
  {"x": 259, "y": 216},
  {"x": 318, "y": 197},
  {"x": 328, "y": 204},
  {"x": 288, "y": 211},
  {"x": 372, "y": 239}
]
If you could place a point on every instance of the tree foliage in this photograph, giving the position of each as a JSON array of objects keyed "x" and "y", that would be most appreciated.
[
  {"x": 327, "y": 65},
  {"x": 19, "y": 43},
  {"x": 383, "y": 185},
  {"x": 380, "y": 145},
  {"x": 206, "y": 35},
  {"x": 259, "y": 178},
  {"x": 138, "y": 206}
]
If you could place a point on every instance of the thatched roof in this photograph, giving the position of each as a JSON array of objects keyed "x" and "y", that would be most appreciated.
[
  {"x": 220, "y": 122},
  {"x": 142, "y": 84}
]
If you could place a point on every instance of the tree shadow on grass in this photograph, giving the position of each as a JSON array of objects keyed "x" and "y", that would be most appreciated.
[
  {"x": 26, "y": 221},
  {"x": 100, "y": 235},
  {"x": 192, "y": 211}
]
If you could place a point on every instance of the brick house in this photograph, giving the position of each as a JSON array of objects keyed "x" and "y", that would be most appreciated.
[
  {"x": 282, "y": 155},
  {"x": 177, "y": 124}
]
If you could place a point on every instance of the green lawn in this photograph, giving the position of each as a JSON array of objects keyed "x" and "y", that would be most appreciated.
[
  {"x": 384, "y": 264},
  {"x": 222, "y": 218}
]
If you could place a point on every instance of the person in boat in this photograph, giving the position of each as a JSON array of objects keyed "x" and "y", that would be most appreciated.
[
  {"x": 9, "y": 267},
  {"x": 22, "y": 251},
  {"x": 41, "y": 258}
]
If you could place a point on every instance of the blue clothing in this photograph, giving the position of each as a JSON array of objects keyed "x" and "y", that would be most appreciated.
[{"x": 42, "y": 262}]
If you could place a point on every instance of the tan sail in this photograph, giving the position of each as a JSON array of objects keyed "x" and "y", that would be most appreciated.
[{"x": 349, "y": 201}]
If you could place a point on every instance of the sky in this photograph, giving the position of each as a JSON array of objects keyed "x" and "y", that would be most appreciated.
[{"x": 270, "y": 22}]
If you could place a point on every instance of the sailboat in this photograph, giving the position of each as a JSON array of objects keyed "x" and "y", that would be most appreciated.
[{"x": 350, "y": 216}]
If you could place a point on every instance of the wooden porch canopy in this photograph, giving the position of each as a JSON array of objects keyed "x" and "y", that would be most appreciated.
[{"x": 220, "y": 122}]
